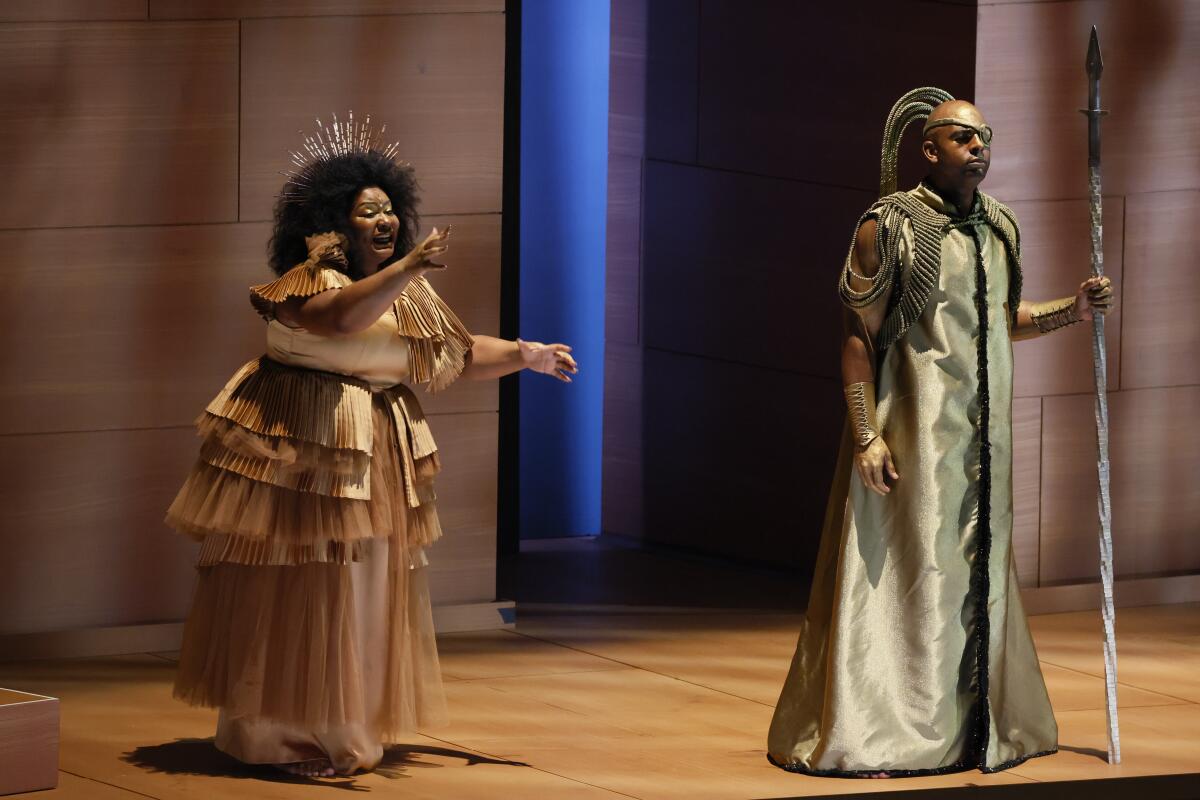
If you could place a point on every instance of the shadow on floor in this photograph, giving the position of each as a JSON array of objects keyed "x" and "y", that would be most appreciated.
[
  {"x": 200, "y": 757},
  {"x": 1086, "y": 751},
  {"x": 398, "y": 758}
]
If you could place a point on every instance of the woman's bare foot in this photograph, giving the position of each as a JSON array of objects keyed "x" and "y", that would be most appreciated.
[{"x": 315, "y": 768}]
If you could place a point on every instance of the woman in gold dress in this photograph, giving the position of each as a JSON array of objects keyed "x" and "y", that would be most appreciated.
[
  {"x": 313, "y": 500},
  {"x": 915, "y": 657}
]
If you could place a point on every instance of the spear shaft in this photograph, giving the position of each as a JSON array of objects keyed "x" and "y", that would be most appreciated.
[{"x": 1095, "y": 66}]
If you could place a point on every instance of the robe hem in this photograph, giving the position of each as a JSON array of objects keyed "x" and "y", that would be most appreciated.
[
  {"x": 949, "y": 769},
  {"x": 1013, "y": 762}
]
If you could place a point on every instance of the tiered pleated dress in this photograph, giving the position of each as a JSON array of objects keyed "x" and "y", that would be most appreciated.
[{"x": 313, "y": 499}]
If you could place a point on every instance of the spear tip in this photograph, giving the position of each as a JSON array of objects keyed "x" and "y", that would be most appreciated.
[{"x": 1095, "y": 63}]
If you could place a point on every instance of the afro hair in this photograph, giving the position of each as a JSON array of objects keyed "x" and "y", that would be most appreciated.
[{"x": 322, "y": 196}]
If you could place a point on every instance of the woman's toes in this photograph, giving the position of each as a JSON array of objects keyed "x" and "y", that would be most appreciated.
[{"x": 308, "y": 769}]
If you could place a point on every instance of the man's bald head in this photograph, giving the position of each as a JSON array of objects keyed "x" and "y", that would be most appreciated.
[
  {"x": 957, "y": 146},
  {"x": 958, "y": 113}
]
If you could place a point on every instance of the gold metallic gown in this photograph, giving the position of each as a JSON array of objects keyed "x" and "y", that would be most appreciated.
[
  {"x": 311, "y": 628},
  {"x": 915, "y": 656}
]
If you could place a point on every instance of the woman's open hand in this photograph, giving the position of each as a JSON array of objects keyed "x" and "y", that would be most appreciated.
[
  {"x": 421, "y": 258},
  {"x": 548, "y": 359}
]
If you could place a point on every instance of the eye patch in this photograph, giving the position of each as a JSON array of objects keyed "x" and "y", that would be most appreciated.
[{"x": 984, "y": 132}]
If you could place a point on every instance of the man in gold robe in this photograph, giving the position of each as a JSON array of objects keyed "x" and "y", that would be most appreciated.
[{"x": 915, "y": 657}]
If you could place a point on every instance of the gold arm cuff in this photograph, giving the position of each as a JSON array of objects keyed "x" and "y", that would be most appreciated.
[
  {"x": 860, "y": 407},
  {"x": 1055, "y": 314}
]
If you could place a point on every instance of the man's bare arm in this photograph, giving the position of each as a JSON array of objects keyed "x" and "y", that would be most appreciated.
[{"x": 872, "y": 458}]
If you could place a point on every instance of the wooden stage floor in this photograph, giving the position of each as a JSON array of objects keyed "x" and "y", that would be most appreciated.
[{"x": 594, "y": 703}]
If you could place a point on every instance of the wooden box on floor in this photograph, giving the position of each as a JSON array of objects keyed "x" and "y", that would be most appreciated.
[{"x": 28, "y": 742}]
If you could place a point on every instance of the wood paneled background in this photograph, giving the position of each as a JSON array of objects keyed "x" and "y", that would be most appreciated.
[
  {"x": 744, "y": 142},
  {"x": 1030, "y": 82},
  {"x": 140, "y": 154}
]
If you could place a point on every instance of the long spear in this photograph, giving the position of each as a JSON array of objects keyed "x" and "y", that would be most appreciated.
[{"x": 1095, "y": 66}]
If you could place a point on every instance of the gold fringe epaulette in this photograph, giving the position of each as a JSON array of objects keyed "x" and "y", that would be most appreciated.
[
  {"x": 303, "y": 280},
  {"x": 911, "y": 292},
  {"x": 268, "y": 398},
  {"x": 438, "y": 340}
]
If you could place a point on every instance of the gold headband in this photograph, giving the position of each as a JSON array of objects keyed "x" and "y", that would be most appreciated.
[{"x": 984, "y": 132}]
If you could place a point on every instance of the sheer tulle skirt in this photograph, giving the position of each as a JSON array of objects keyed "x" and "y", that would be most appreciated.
[{"x": 311, "y": 627}]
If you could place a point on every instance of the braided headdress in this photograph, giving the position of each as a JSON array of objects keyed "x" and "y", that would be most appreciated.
[{"x": 917, "y": 104}]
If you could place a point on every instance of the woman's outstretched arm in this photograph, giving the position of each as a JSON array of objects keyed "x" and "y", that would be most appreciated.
[{"x": 494, "y": 358}]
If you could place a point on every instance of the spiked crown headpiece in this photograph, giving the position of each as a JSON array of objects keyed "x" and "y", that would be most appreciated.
[{"x": 330, "y": 141}]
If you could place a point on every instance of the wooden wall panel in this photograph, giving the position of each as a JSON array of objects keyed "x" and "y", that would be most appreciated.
[
  {"x": 672, "y": 79},
  {"x": 83, "y": 538},
  {"x": 471, "y": 286},
  {"x": 153, "y": 320},
  {"x": 124, "y": 327},
  {"x": 738, "y": 459},
  {"x": 801, "y": 90},
  {"x": 1056, "y": 258},
  {"x": 621, "y": 481},
  {"x": 436, "y": 80},
  {"x": 727, "y": 276},
  {"x": 119, "y": 123},
  {"x": 621, "y": 471},
  {"x": 463, "y": 562},
  {"x": 232, "y": 9},
  {"x": 1031, "y": 83},
  {"x": 623, "y": 251},
  {"x": 627, "y": 78},
  {"x": 1162, "y": 344},
  {"x": 1027, "y": 486},
  {"x": 749, "y": 195},
  {"x": 71, "y": 10},
  {"x": 1155, "y": 495}
]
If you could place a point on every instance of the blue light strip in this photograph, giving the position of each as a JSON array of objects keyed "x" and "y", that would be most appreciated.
[{"x": 564, "y": 182}]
